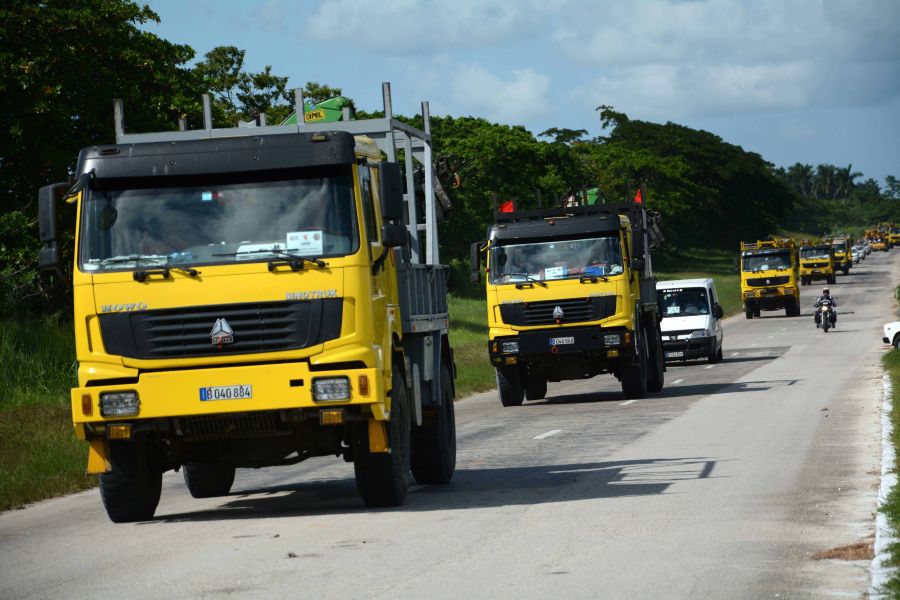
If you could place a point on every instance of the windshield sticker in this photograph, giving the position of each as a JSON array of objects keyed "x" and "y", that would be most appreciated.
[
  {"x": 210, "y": 196},
  {"x": 554, "y": 272},
  {"x": 305, "y": 243},
  {"x": 673, "y": 310}
]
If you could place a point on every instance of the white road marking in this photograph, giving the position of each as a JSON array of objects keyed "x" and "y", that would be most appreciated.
[
  {"x": 735, "y": 353},
  {"x": 627, "y": 402},
  {"x": 547, "y": 434},
  {"x": 709, "y": 366},
  {"x": 677, "y": 381}
]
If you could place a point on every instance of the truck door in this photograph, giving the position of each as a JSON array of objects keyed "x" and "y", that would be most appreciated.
[{"x": 378, "y": 276}]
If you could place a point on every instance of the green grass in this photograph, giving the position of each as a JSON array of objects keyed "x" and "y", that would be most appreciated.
[
  {"x": 468, "y": 338},
  {"x": 891, "y": 507},
  {"x": 40, "y": 456}
]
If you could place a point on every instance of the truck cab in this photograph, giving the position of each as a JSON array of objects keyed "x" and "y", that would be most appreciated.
[
  {"x": 843, "y": 254},
  {"x": 570, "y": 295},
  {"x": 691, "y": 324},
  {"x": 769, "y": 277},
  {"x": 817, "y": 263}
]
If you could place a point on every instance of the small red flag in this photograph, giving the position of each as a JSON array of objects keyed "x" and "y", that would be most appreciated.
[
  {"x": 508, "y": 207},
  {"x": 639, "y": 198}
]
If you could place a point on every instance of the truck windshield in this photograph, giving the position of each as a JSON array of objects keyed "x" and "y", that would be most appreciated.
[
  {"x": 211, "y": 223},
  {"x": 557, "y": 259},
  {"x": 767, "y": 261},
  {"x": 840, "y": 247},
  {"x": 822, "y": 252},
  {"x": 683, "y": 302}
]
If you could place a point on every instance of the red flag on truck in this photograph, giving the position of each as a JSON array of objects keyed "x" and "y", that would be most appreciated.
[
  {"x": 639, "y": 198},
  {"x": 507, "y": 207}
]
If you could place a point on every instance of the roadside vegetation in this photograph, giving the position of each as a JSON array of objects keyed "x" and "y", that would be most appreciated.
[
  {"x": 891, "y": 507},
  {"x": 40, "y": 456}
]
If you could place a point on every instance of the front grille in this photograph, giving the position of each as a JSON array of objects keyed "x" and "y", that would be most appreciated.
[
  {"x": 231, "y": 427},
  {"x": 667, "y": 334},
  {"x": 575, "y": 310},
  {"x": 764, "y": 281},
  {"x": 186, "y": 332},
  {"x": 816, "y": 265}
]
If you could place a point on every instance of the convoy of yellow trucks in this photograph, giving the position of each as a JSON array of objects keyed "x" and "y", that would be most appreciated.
[{"x": 257, "y": 296}]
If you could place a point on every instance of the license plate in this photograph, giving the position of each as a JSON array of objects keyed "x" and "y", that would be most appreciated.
[
  {"x": 817, "y": 270},
  {"x": 562, "y": 341},
  {"x": 678, "y": 354},
  {"x": 226, "y": 392}
]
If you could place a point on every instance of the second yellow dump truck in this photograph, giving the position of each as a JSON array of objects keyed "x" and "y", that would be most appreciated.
[
  {"x": 843, "y": 256},
  {"x": 570, "y": 295},
  {"x": 817, "y": 262},
  {"x": 769, "y": 277}
]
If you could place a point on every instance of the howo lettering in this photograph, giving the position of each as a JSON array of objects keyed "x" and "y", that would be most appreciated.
[
  {"x": 292, "y": 305},
  {"x": 570, "y": 295}
]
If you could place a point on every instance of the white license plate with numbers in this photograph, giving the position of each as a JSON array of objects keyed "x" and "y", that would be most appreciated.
[
  {"x": 678, "y": 354},
  {"x": 562, "y": 341},
  {"x": 226, "y": 392}
]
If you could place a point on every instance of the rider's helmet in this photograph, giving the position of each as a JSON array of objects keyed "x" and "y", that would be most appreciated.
[{"x": 825, "y": 292}]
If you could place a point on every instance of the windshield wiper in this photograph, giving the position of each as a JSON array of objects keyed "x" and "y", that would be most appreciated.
[
  {"x": 294, "y": 260},
  {"x": 112, "y": 260},
  {"x": 528, "y": 280},
  {"x": 593, "y": 278}
]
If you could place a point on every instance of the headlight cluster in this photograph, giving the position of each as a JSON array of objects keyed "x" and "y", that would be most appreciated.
[
  {"x": 331, "y": 389},
  {"x": 510, "y": 347},
  {"x": 612, "y": 339},
  {"x": 119, "y": 404},
  {"x": 701, "y": 333}
]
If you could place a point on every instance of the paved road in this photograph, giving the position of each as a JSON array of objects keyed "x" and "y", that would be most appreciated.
[{"x": 724, "y": 485}]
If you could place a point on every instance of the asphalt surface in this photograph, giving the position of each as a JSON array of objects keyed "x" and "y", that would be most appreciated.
[{"x": 724, "y": 485}]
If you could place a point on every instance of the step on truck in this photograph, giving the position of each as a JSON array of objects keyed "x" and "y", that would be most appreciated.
[
  {"x": 571, "y": 295},
  {"x": 817, "y": 262},
  {"x": 769, "y": 277},
  {"x": 257, "y": 296}
]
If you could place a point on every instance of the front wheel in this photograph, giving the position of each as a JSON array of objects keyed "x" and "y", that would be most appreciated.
[
  {"x": 130, "y": 490},
  {"x": 748, "y": 311},
  {"x": 509, "y": 386},
  {"x": 634, "y": 376},
  {"x": 535, "y": 388},
  {"x": 382, "y": 479},
  {"x": 896, "y": 343},
  {"x": 434, "y": 443},
  {"x": 656, "y": 363}
]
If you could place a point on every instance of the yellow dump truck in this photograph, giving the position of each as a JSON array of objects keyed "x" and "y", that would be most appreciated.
[
  {"x": 843, "y": 256},
  {"x": 570, "y": 295},
  {"x": 769, "y": 277},
  {"x": 817, "y": 262},
  {"x": 254, "y": 297}
]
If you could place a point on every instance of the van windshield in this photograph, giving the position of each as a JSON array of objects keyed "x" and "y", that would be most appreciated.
[{"x": 683, "y": 302}]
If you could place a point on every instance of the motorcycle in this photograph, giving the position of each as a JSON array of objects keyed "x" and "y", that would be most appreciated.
[{"x": 825, "y": 317}]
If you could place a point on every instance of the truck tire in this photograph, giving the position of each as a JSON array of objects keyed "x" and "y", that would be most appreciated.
[
  {"x": 896, "y": 342},
  {"x": 434, "y": 444},
  {"x": 748, "y": 311},
  {"x": 382, "y": 479},
  {"x": 656, "y": 373},
  {"x": 509, "y": 386},
  {"x": 634, "y": 376},
  {"x": 130, "y": 490},
  {"x": 535, "y": 388},
  {"x": 205, "y": 480}
]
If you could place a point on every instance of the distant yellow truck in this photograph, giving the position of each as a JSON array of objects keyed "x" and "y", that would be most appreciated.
[
  {"x": 769, "y": 277},
  {"x": 817, "y": 263},
  {"x": 843, "y": 256}
]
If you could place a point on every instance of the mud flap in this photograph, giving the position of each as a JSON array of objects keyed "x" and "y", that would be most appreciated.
[
  {"x": 378, "y": 443},
  {"x": 98, "y": 457}
]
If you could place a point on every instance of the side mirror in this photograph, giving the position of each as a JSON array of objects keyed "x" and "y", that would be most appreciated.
[
  {"x": 736, "y": 266},
  {"x": 390, "y": 190},
  {"x": 475, "y": 262},
  {"x": 394, "y": 235},
  {"x": 717, "y": 311},
  {"x": 49, "y": 258},
  {"x": 637, "y": 264}
]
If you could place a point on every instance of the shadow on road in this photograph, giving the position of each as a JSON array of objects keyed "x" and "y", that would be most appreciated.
[{"x": 471, "y": 488}]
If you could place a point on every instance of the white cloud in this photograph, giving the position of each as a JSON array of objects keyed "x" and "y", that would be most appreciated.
[
  {"x": 425, "y": 25},
  {"x": 521, "y": 97},
  {"x": 665, "y": 59}
]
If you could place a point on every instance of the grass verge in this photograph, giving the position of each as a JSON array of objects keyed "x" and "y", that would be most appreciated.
[
  {"x": 40, "y": 456},
  {"x": 891, "y": 508}
]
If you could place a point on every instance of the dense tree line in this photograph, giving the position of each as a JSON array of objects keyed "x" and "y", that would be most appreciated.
[{"x": 57, "y": 86}]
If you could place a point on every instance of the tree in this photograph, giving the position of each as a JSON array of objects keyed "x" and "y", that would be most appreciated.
[{"x": 238, "y": 95}]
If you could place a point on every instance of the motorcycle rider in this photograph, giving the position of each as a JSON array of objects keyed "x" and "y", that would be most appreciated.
[{"x": 826, "y": 296}]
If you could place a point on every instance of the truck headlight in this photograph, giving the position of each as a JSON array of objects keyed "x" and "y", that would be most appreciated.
[
  {"x": 612, "y": 339},
  {"x": 119, "y": 404},
  {"x": 329, "y": 389},
  {"x": 510, "y": 347}
]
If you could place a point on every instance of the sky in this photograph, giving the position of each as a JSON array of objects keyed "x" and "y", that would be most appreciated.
[{"x": 810, "y": 81}]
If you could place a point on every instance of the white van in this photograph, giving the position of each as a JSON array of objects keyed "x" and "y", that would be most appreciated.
[{"x": 691, "y": 319}]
